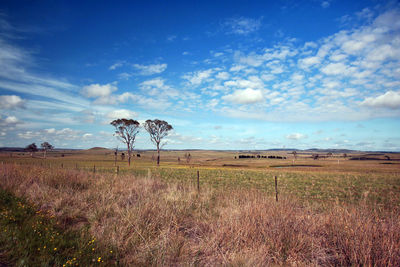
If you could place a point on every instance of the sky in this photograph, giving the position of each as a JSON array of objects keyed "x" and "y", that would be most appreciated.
[{"x": 225, "y": 74}]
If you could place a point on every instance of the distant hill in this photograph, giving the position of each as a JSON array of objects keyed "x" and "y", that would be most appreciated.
[{"x": 95, "y": 150}]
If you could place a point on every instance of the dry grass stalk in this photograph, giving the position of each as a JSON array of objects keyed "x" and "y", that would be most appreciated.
[{"x": 155, "y": 223}]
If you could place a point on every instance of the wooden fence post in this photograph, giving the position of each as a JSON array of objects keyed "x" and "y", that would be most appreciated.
[
  {"x": 276, "y": 188},
  {"x": 117, "y": 170},
  {"x": 94, "y": 168}
]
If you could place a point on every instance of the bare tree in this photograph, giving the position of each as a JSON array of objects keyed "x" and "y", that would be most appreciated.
[
  {"x": 294, "y": 154},
  {"x": 126, "y": 131},
  {"x": 32, "y": 148},
  {"x": 46, "y": 146},
  {"x": 157, "y": 129}
]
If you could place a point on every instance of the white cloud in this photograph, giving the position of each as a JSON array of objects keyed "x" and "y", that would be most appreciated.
[
  {"x": 198, "y": 77},
  {"x": 223, "y": 75},
  {"x": 51, "y": 135},
  {"x": 10, "y": 101},
  {"x": 87, "y": 135},
  {"x": 242, "y": 25},
  {"x": 296, "y": 136},
  {"x": 9, "y": 121},
  {"x": 150, "y": 69},
  {"x": 50, "y": 131},
  {"x": 96, "y": 90},
  {"x": 335, "y": 69},
  {"x": 252, "y": 59},
  {"x": 121, "y": 113},
  {"x": 390, "y": 100},
  {"x": 115, "y": 66},
  {"x": 309, "y": 61},
  {"x": 28, "y": 135},
  {"x": 246, "y": 96},
  {"x": 236, "y": 68},
  {"x": 157, "y": 83},
  {"x": 325, "y": 4}
]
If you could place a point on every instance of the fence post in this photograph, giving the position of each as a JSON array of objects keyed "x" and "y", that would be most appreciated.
[
  {"x": 198, "y": 181},
  {"x": 62, "y": 165},
  {"x": 76, "y": 165},
  {"x": 276, "y": 188},
  {"x": 117, "y": 170},
  {"x": 94, "y": 168}
]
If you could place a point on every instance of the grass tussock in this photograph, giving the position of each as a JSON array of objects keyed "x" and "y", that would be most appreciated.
[{"x": 152, "y": 222}]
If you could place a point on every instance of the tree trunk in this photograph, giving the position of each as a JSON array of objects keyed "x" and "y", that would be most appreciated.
[
  {"x": 158, "y": 154},
  {"x": 129, "y": 155}
]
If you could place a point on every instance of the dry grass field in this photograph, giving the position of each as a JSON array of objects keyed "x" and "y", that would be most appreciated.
[{"x": 331, "y": 211}]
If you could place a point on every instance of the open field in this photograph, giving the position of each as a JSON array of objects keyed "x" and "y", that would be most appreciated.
[
  {"x": 340, "y": 212},
  {"x": 329, "y": 179}
]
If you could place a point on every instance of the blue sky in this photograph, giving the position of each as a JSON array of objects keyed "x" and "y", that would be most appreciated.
[{"x": 224, "y": 74}]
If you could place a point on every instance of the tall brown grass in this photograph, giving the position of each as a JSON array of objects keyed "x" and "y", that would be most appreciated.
[{"x": 155, "y": 223}]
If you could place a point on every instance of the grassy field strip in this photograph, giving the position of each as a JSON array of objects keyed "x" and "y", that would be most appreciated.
[
  {"x": 350, "y": 188},
  {"x": 320, "y": 186}
]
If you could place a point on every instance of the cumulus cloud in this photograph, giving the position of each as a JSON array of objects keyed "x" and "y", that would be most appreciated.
[
  {"x": 390, "y": 100},
  {"x": 10, "y": 102},
  {"x": 223, "y": 75},
  {"x": 97, "y": 90},
  {"x": 9, "y": 121},
  {"x": 150, "y": 69},
  {"x": 198, "y": 77},
  {"x": 246, "y": 96},
  {"x": 309, "y": 61},
  {"x": 335, "y": 69},
  {"x": 296, "y": 136},
  {"x": 154, "y": 83}
]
